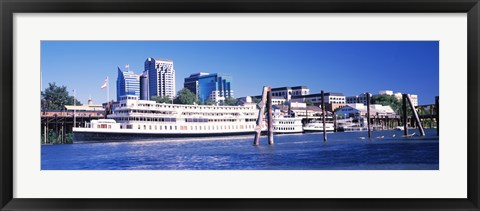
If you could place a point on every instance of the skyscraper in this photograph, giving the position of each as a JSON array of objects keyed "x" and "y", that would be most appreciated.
[
  {"x": 191, "y": 83},
  {"x": 128, "y": 83},
  {"x": 144, "y": 93},
  {"x": 161, "y": 77},
  {"x": 208, "y": 86}
]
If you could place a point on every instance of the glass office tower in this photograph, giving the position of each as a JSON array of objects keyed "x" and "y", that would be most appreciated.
[
  {"x": 128, "y": 83},
  {"x": 208, "y": 86}
]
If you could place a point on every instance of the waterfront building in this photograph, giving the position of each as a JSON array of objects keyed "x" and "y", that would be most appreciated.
[
  {"x": 127, "y": 83},
  {"x": 330, "y": 97},
  {"x": 86, "y": 110},
  {"x": 210, "y": 86},
  {"x": 144, "y": 93},
  {"x": 333, "y": 100},
  {"x": 361, "y": 98},
  {"x": 161, "y": 77},
  {"x": 289, "y": 92},
  {"x": 358, "y": 110},
  {"x": 414, "y": 99},
  {"x": 278, "y": 100}
]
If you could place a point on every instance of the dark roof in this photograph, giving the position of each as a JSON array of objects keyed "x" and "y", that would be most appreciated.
[
  {"x": 300, "y": 87},
  {"x": 334, "y": 94},
  {"x": 319, "y": 95},
  {"x": 287, "y": 87}
]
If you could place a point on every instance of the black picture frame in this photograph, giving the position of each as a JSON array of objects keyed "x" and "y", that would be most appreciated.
[{"x": 9, "y": 7}]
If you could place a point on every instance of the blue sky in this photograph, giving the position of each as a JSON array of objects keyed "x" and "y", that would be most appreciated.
[{"x": 349, "y": 67}]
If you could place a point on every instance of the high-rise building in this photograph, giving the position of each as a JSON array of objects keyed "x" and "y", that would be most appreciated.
[
  {"x": 161, "y": 77},
  {"x": 144, "y": 93},
  {"x": 191, "y": 83},
  {"x": 128, "y": 83},
  {"x": 208, "y": 86}
]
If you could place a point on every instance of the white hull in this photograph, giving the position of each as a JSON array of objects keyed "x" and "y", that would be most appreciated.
[
  {"x": 318, "y": 127},
  {"x": 283, "y": 125}
]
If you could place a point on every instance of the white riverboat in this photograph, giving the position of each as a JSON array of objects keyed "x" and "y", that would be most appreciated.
[
  {"x": 132, "y": 118},
  {"x": 318, "y": 127},
  {"x": 287, "y": 124}
]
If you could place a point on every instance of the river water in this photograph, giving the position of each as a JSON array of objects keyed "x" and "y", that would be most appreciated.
[{"x": 342, "y": 151}]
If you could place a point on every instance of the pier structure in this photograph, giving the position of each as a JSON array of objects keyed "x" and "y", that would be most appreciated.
[
  {"x": 266, "y": 101},
  {"x": 55, "y": 125},
  {"x": 427, "y": 117}
]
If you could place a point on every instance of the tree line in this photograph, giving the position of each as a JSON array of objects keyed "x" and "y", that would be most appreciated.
[{"x": 187, "y": 97}]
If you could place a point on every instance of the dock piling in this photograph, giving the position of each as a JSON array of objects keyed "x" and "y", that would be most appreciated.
[
  {"x": 368, "y": 115},
  {"x": 405, "y": 118},
  {"x": 415, "y": 115},
  {"x": 270, "y": 116},
  {"x": 323, "y": 116},
  {"x": 334, "y": 122},
  {"x": 261, "y": 106}
]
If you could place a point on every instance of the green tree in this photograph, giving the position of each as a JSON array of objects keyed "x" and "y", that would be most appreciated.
[
  {"x": 56, "y": 97},
  {"x": 164, "y": 99},
  {"x": 230, "y": 101},
  {"x": 185, "y": 96},
  {"x": 255, "y": 100},
  {"x": 388, "y": 100}
]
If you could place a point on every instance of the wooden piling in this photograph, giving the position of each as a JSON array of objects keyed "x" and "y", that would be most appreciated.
[
  {"x": 61, "y": 134},
  {"x": 405, "y": 118},
  {"x": 334, "y": 122},
  {"x": 324, "y": 117},
  {"x": 437, "y": 109},
  {"x": 261, "y": 105},
  {"x": 431, "y": 117},
  {"x": 56, "y": 129},
  {"x": 415, "y": 115},
  {"x": 368, "y": 115},
  {"x": 387, "y": 126},
  {"x": 45, "y": 133},
  {"x": 270, "y": 117}
]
